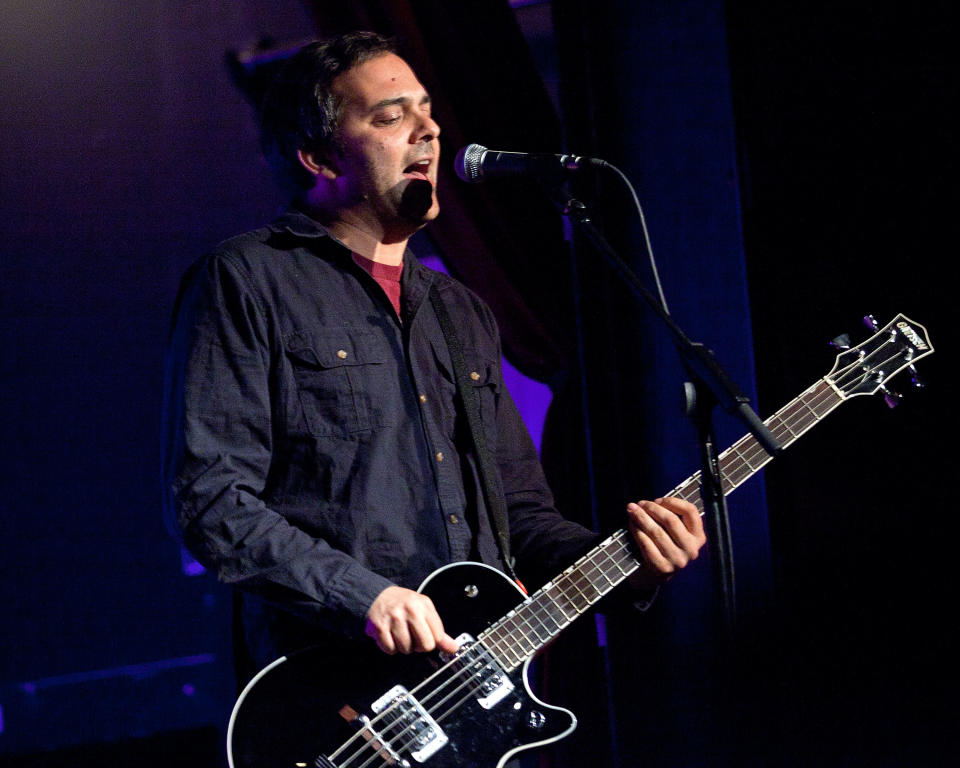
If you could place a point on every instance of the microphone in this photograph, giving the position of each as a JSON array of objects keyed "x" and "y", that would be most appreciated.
[{"x": 475, "y": 163}]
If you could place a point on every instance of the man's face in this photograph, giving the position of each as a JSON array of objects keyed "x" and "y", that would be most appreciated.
[{"x": 387, "y": 147}]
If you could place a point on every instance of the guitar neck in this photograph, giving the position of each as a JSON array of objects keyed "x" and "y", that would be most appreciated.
[{"x": 525, "y": 630}]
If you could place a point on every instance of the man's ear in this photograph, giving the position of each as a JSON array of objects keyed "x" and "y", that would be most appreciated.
[{"x": 317, "y": 164}]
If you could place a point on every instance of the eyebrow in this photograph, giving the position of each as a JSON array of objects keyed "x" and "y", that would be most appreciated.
[{"x": 400, "y": 100}]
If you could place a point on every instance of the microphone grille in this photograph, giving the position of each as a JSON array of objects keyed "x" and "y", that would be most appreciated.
[{"x": 468, "y": 164}]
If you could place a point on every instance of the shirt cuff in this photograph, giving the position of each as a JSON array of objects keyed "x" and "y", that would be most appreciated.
[
  {"x": 354, "y": 592},
  {"x": 642, "y": 600}
]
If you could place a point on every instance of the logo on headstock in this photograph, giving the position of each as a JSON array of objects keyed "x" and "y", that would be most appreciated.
[{"x": 912, "y": 335}]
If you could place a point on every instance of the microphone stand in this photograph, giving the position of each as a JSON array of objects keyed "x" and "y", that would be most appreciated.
[{"x": 709, "y": 386}]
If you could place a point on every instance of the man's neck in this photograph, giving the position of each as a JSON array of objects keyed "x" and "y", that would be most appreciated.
[{"x": 366, "y": 245}]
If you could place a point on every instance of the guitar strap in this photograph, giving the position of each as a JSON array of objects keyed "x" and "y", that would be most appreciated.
[{"x": 496, "y": 507}]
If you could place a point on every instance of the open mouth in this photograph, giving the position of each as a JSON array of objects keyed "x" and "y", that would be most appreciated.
[{"x": 418, "y": 170}]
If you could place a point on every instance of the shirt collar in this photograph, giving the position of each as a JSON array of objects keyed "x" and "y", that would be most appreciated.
[{"x": 298, "y": 224}]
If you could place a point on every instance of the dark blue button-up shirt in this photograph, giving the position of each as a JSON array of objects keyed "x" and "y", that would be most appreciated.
[{"x": 315, "y": 454}]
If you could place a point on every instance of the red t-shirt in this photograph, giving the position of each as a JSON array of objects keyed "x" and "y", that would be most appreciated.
[{"x": 387, "y": 277}]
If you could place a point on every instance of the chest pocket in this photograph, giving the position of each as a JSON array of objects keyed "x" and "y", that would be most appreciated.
[
  {"x": 343, "y": 380},
  {"x": 484, "y": 380}
]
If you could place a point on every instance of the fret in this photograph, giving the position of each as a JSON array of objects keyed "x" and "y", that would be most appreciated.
[
  {"x": 568, "y": 600},
  {"x": 547, "y": 620},
  {"x": 598, "y": 577},
  {"x": 554, "y": 593},
  {"x": 831, "y": 400},
  {"x": 809, "y": 400},
  {"x": 536, "y": 628},
  {"x": 802, "y": 418},
  {"x": 514, "y": 628},
  {"x": 505, "y": 652},
  {"x": 804, "y": 403},
  {"x": 575, "y": 595},
  {"x": 533, "y": 620},
  {"x": 783, "y": 424},
  {"x": 736, "y": 448},
  {"x": 621, "y": 569},
  {"x": 497, "y": 642}
]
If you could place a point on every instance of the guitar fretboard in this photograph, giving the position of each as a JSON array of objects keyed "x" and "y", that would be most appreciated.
[{"x": 532, "y": 624}]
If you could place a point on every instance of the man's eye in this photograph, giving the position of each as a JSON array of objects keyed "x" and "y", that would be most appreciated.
[{"x": 387, "y": 119}]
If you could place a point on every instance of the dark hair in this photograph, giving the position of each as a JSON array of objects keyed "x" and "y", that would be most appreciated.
[{"x": 300, "y": 112}]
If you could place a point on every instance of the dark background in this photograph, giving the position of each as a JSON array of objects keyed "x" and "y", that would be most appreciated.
[
  {"x": 843, "y": 137},
  {"x": 795, "y": 155}
]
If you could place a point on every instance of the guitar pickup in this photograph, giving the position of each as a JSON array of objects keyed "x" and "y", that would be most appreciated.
[{"x": 490, "y": 681}]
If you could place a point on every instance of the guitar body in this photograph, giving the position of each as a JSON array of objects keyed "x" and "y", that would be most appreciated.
[{"x": 293, "y": 712}]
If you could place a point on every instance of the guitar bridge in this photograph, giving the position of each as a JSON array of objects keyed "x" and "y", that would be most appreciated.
[{"x": 410, "y": 727}]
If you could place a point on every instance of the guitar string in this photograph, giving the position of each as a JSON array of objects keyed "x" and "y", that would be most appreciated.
[
  {"x": 734, "y": 453},
  {"x": 483, "y": 653},
  {"x": 373, "y": 726},
  {"x": 380, "y": 741},
  {"x": 390, "y": 739}
]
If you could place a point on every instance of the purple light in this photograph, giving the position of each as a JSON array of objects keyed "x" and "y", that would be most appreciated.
[
  {"x": 189, "y": 565},
  {"x": 188, "y": 690},
  {"x": 601, "y": 622},
  {"x": 137, "y": 671},
  {"x": 532, "y": 399}
]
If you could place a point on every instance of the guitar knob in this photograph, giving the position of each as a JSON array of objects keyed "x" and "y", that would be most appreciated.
[
  {"x": 891, "y": 397},
  {"x": 536, "y": 720},
  {"x": 915, "y": 379},
  {"x": 842, "y": 342}
]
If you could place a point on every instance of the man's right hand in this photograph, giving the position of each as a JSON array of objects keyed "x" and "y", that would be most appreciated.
[{"x": 403, "y": 621}]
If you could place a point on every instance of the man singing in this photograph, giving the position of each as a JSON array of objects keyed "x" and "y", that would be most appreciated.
[{"x": 318, "y": 454}]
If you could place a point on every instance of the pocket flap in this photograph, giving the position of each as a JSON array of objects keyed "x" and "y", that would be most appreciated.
[
  {"x": 337, "y": 347},
  {"x": 482, "y": 372}
]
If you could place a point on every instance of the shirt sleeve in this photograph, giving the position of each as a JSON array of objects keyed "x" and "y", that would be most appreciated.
[{"x": 218, "y": 454}]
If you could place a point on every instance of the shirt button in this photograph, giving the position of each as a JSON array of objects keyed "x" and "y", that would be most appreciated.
[
  {"x": 423, "y": 398},
  {"x": 439, "y": 455},
  {"x": 342, "y": 354},
  {"x": 474, "y": 375},
  {"x": 454, "y": 519}
]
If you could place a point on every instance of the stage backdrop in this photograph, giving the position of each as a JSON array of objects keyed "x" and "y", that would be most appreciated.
[{"x": 127, "y": 151}]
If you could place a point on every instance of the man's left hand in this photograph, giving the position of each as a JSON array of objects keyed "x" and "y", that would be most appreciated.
[{"x": 669, "y": 534}]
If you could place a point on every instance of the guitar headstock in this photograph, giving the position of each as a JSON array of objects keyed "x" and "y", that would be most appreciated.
[{"x": 866, "y": 368}]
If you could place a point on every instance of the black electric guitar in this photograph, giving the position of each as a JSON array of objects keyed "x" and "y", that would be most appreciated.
[{"x": 475, "y": 709}]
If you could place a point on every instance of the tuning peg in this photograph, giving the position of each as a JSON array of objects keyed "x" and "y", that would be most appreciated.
[
  {"x": 842, "y": 342},
  {"x": 915, "y": 379},
  {"x": 891, "y": 397},
  {"x": 871, "y": 322}
]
